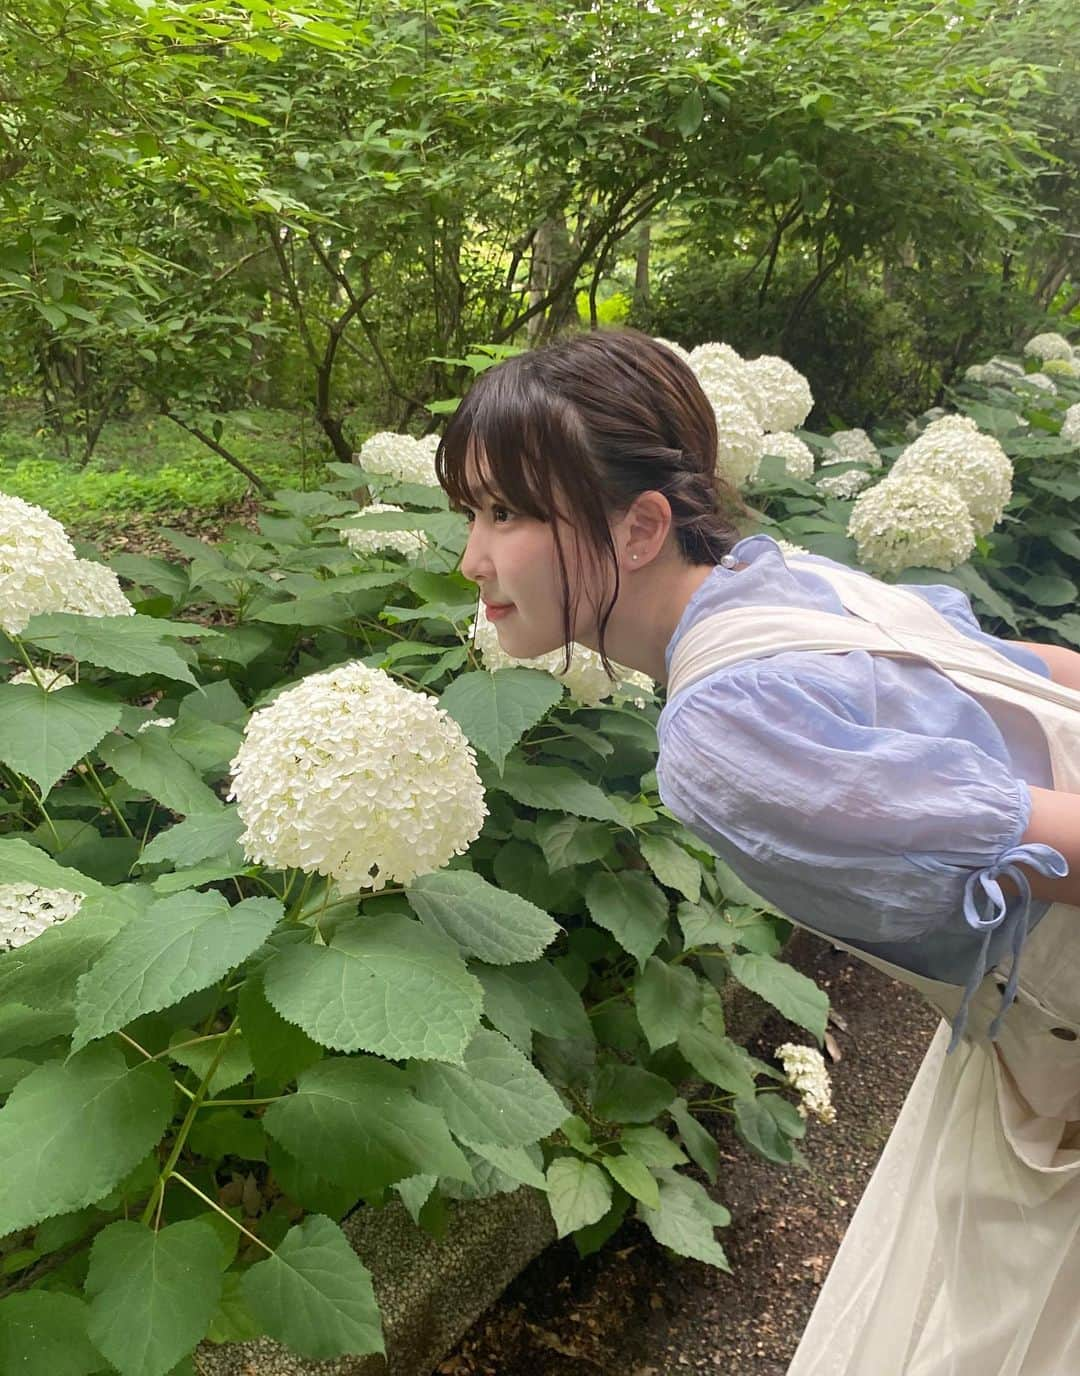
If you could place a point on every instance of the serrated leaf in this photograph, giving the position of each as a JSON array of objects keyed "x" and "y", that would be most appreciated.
[
  {"x": 358, "y": 1118},
  {"x": 765, "y": 1124},
  {"x": 22, "y": 1027},
  {"x": 22, "y": 863},
  {"x": 202, "y": 836},
  {"x": 495, "y": 1095},
  {"x": 686, "y": 1218},
  {"x": 70, "y": 1132},
  {"x": 667, "y": 1000},
  {"x": 42, "y": 735},
  {"x": 702, "y": 1147},
  {"x": 798, "y": 998},
  {"x": 673, "y": 866},
  {"x": 178, "y": 946},
  {"x": 515, "y": 1162},
  {"x": 496, "y": 927},
  {"x": 635, "y": 1178},
  {"x": 629, "y": 1094},
  {"x": 495, "y": 710},
  {"x": 279, "y": 1050},
  {"x": 314, "y": 1294},
  {"x": 152, "y": 1294},
  {"x": 568, "y": 841},
  {"x": 651, "y": 1146},
  {"x": 149, "y": 763},
  {"x": 537, "y": 997},
  {"x": 233, "y": 1068},
  {"x": 713, "y": 1054},
  {"x": 554, "y": 788},
  {"x": 632, "y": 908},
  {"x": 43, "y": 1333},
  {"x": 384, "y": 984},
  {"x": 127, "y": 644},
  {"x": 579, "y": 1193}
]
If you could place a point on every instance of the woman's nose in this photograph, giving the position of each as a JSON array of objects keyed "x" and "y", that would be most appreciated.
[{"x": 475, "y": 564}]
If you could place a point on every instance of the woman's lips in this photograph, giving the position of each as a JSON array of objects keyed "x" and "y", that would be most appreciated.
[{"x": 496, "y": 610}]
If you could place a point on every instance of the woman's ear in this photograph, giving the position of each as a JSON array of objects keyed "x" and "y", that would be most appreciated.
[{"x": 644, "y": 529}]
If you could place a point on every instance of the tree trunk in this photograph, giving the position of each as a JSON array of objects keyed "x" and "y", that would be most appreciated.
[{"x": 641, "y": 265}]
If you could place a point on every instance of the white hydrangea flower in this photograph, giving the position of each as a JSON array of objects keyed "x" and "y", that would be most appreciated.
[
  {"x": 49, "y": 679},
  {"x": 27, "y": 910},
  {"x": 1061, "y": 367},
  {"x": 684, "y": 354},
  {"x": 163, "y": 722},
  {"x": 408, "y": 542},
  {"x": 349, "y": 775},
  {"x": 780, "y": 395},
  {"x": 956, "y": 451},
  {"x": 739, "y": 442},
  {"x": 798, "y": 457},
  {"x": 1049, "y": 345},
  {"x": 915, "y": 521},
  {"x": 1006, "y": 365},
  {"x": 843, "y": 485},
  {"x": 807, "y": 1073},
  {"x": 997, "y": 373},
  {"x": 722, "y": 374},
  {"x": 856, "y": 446},
  {"x": 1070, "y": 426},
  {"x": 1039, "y": 381},
  {"x": 586, "y": 679},
  {"x": 95, "y": 591},
  {"x": 787, "y": 547},
  {"x": 37, "y": 563},
  {"x": 401, "y": 457}
]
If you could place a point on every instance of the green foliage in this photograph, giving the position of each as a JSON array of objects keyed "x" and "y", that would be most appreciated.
[{"x": 530, "y": 1013}]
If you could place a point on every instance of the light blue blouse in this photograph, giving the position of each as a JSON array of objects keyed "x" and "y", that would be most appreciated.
[{"x": 869, "y": 798}]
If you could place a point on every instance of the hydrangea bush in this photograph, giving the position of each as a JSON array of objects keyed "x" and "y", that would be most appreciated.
[{"x": 311, "y": 900}]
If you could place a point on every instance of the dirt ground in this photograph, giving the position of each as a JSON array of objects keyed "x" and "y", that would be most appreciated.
[{"x": 633, "y": 1310}]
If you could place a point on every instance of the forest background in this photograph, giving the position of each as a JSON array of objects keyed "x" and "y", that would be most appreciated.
[{"x": 237, "y": 238}]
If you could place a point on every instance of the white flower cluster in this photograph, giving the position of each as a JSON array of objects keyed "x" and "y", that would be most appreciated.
[
  {"x": 1070, "y": 426},
  {"x": 788, "y": 548},
  {"x": 722, "y": 374},
  {"x": 780, "y": 395},
  {"x": 49, "y": 679},
  {"x": 1061, "y": 367},
  {"x": 954, "y": 450},
  {"x": 855, "y": 446},
  {"x": 739, "y": 442},
  {"x": 807, "y": 1073},
  {"x": 408, "y": 542},
  {"x": 1046, "y": 346},
  {"x": 349, "y": 775},
  {"x": 992, "y": 374},
  {"x": 401, "y": 457},
  {"x": 920, "y": 521},
  {"x": 798, "y": 457},
  {"x": 843, "y": 485},
  {"x": 39, "y": 571},
  {"x": 586, "y": 679},
  {"x": 27, "y": 910}
]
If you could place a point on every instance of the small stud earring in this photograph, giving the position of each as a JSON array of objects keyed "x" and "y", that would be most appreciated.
[{"x": 633, "y": 556}]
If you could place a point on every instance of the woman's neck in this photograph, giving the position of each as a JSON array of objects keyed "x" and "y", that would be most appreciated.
[{"x": 650, "y": 604}]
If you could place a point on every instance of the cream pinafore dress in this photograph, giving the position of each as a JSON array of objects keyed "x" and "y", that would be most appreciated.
[{"x": 963, "y": 1257}]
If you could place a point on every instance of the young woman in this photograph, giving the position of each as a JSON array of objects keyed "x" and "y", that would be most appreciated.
[{"x": 872, "y": 763}]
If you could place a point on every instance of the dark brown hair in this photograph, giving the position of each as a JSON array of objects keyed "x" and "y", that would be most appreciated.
[{"x": 593, "y": 420}]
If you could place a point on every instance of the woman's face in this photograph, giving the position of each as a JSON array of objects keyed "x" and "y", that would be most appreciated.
[{"x": 513, "y": 559}]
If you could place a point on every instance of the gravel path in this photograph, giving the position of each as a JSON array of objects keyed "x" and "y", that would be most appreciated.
[{"x": 633, "y": 1310}]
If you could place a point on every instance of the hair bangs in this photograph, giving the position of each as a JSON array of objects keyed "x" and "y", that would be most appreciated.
[{"x": 504, "y": 435}]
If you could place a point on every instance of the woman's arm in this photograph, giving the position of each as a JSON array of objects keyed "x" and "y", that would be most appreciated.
[
  {"x": 1064, "y": 665},
  {"x": 1055, "y": 821}
]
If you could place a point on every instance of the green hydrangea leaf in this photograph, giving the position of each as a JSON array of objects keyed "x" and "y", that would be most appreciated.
[
  {"x": 579, "y": 1193},
  {"x": 495, "y": 1095},
  {"x": 787, "y": 989},
  {"x": 70, "y": 1132},
  {"x": 42, "y": 735},
  {"x": 497, "y": 927},
  {"x": 521, "y": 999},
  {"x": 43, "y": 1333},
  {"x": 384, "y": 984},
  {"x": 495, "y": 710},
  {"x": 685, "y": 1219},
  {"x": 200, "y": 836},
  {"x": 358, "y": 1118},
  {"x": 152, "y": 1294},
  {"x": 314, "y": 1294},
  {"x": 668, "y": 999},
  {"x": 635, "y": 1178},
  {"x": 673, "y": 866},
  {"x": 128, "y": 644},
  {"x": 149, "y": 763},
  {"x": 632, "y": 908},
  {"x": 178, "y": 946}
]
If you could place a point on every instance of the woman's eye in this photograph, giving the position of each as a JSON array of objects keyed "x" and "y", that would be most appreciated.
[{"x": 496, "y": 511}]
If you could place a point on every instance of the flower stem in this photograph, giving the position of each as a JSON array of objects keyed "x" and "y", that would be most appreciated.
[
  {"x": 217, "y": 1207},
  {"x": 106, "y": 798}
]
